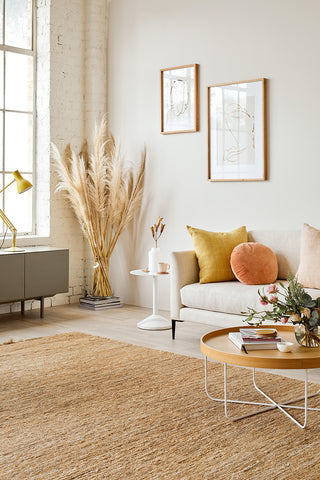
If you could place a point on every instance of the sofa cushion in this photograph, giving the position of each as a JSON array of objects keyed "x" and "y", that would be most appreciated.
[
  {"x": 285, "y": 245},
  {"x": 254, "y": 264},
  {"x": 213, "y": 251},
  {"x": 309, "y": 267},
  {"x": 227, "y": 297}
]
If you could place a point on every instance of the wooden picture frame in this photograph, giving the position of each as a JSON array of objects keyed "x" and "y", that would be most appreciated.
[
  {"x": 180, "y": 99},
  {"x": 237, "y": 131}
]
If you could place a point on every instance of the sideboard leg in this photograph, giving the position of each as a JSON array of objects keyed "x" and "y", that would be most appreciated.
[
  {"x": 41, "y": 307},
  {"x": 22, "y": 307}
]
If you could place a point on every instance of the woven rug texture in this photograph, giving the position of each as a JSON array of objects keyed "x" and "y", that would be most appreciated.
[{"x": 79, "y": 407}]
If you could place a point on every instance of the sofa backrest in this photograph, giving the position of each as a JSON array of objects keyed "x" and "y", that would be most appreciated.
[{"x": 286, "y": 246}]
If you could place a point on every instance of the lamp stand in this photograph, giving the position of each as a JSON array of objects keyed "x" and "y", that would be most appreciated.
[
  {"x": 23, "y": 185},
  {"x": 14, "y": 249},
  {"x": 7, "y": 222}
]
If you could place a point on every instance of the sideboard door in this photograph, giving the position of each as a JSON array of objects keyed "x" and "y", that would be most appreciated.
[
  {"x": 11, "y": 277},
  {"x": 46, "y": 273}
]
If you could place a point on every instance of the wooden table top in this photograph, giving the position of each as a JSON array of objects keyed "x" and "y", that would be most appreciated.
[{"x": 216, "y": 345}]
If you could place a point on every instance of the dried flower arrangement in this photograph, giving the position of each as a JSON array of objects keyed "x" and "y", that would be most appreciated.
[
  {"x": 157, "y": 230},
  {"x": 104, "y": 194}
]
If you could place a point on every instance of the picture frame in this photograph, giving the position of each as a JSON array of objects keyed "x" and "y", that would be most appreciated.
[
  {"x": 237, "y": 131},
  {"x": 180, "y": 99}
]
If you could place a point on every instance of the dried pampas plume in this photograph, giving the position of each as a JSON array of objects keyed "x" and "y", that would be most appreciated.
[
  {"x": 104, "y": 193},
  {"x": 157, "y": 230}
]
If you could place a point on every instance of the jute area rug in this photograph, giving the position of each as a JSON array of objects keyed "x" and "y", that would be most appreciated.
[{"x": 75, "y": 406}]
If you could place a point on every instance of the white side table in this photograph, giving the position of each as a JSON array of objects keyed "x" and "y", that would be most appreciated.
[{"x": 154, "y": 321}]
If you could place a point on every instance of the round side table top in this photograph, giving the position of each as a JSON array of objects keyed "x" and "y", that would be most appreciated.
[
  {"x": 143, "y": 273},
  {"x": 216, "y": 345}
]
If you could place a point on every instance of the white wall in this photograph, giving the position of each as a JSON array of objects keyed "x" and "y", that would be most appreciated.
[{"x": 232, "y": 40}]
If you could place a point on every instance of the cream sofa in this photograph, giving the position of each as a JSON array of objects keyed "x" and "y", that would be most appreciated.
[{"x": 220, "y": 304}]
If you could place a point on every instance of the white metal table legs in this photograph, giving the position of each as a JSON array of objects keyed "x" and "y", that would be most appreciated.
[
  {"x": 271, "y": 405},
  {"x": 155, "y": 321}
]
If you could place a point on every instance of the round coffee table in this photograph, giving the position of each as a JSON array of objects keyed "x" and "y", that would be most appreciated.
[{"x": 217, "y": 346}]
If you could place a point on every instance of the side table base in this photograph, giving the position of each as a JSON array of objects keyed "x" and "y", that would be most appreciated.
[
  {"x": 155, "y": 322},
  {"x": 271, "y": 405}
]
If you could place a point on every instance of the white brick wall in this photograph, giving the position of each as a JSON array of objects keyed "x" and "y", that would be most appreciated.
[{"x": 78, "y": 89}]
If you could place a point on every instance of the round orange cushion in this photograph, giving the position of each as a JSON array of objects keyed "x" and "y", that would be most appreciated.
[{"x": 254, "y": 264}]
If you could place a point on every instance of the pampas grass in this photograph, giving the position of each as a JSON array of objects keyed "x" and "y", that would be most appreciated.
[{"x": 104, "y": 194}]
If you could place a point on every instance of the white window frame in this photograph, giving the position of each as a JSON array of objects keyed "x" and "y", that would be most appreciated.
[{"x": 31, "y": 53}]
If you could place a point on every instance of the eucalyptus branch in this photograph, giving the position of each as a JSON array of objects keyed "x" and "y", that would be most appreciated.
[{"x": 296, "y": 306}]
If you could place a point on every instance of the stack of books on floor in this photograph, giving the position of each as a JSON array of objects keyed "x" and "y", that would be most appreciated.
[
  {"x": 247, "y": 339},
  {"x": 96, "y": 303}
]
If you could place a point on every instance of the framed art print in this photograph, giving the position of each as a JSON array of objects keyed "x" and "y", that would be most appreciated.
[
  {"x": 237, "y": 131},
  {"x": 179, "y": 99}
]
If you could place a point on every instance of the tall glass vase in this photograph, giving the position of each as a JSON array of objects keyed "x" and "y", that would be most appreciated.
[
  {"x": 100, "y": 282},
  {"x": 306, "y": 337}
]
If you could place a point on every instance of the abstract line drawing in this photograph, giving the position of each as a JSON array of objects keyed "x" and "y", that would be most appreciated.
[
  {"x": 236, "y": 112},
  {"x": 179, "y": 98}
]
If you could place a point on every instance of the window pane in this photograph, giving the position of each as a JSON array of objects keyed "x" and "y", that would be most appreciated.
[
  {"x": 1, "y": 21},
  {"x": 2, "y": 226},
  {"x": 1, "y": 79},
  {"x": 2, "y": 230},
  {"x": 18, "y": 23},
  {"x": 1, "y": 142},
  {"x": 18, "y": 142},
  {"x": 18, "y": 207},
  {"x": 19, "y": 82}
]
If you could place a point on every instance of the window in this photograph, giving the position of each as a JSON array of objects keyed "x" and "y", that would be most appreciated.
[{"x": 17, "y": 109}]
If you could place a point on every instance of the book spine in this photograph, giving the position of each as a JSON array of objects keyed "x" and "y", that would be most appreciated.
[{"x": 261, "y": 340}]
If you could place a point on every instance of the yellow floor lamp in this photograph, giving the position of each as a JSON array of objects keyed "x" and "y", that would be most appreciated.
[{"x": 22, "y": 186}]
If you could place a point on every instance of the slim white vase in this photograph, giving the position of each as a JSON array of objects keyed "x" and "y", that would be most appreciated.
[{"x": 154, "y": 259}]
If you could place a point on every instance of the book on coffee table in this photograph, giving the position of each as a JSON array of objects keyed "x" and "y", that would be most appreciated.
[
  {"x": 260, "y": 344},
  {"x": 251, "y": 335}
]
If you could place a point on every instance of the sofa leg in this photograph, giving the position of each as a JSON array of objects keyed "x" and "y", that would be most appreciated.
[{"x": 173, "y": 323}]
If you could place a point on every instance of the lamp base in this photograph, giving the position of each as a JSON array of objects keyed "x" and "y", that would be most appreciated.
[{"x": 14, "y": 249}]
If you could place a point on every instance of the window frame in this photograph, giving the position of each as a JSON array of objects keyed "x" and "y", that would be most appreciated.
[{"x": 32, "y": 52}]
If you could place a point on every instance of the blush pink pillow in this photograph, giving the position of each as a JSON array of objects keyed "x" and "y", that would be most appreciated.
[
  {"x": 254, "y": 264},
  {"x": 309, "y": 267}
]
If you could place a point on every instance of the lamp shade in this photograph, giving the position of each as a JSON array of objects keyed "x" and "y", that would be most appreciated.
[{"x": 22, "y": 184}]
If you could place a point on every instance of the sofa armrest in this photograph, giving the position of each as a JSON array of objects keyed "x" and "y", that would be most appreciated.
[{"x": 184, "y": 270}]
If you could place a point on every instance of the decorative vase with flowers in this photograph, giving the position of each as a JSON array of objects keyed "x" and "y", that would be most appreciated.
[
  {"x": 154, "y": 253},
  {"x": 290, "y": 303}
]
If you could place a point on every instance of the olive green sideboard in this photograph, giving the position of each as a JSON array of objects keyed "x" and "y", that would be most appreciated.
[{"x": 35, "y": 273}]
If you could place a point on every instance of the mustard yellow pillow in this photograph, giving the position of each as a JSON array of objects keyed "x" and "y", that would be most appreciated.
[{"x": 213, "y": 251}]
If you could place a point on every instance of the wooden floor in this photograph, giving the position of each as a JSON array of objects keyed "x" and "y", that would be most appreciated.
[{"x": 118, "y": 324}]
